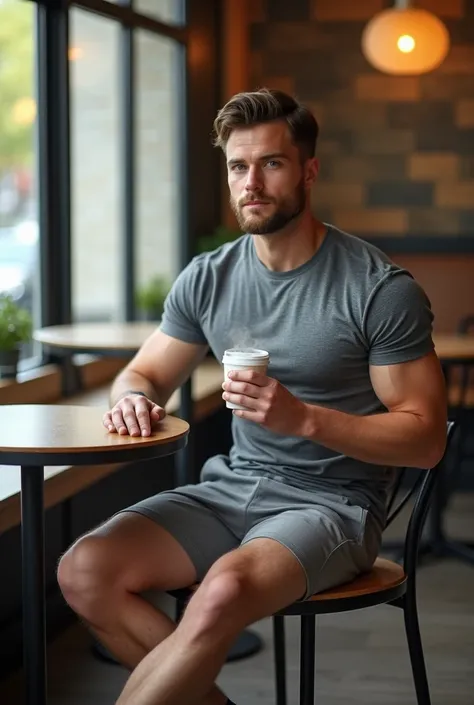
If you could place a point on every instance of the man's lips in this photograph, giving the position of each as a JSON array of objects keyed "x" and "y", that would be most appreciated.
[{"x": 256, "y": 203}]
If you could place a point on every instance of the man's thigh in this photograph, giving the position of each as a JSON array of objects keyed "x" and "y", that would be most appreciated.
[
  {"x": 131, "y": 552},
  {"x": 192, "y": 525},
  {"x": 328, "y": 553}
]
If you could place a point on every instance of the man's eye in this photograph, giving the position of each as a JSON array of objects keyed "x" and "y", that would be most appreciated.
[
  {"x": 238, "y": 167},
  {"x": 273, "y": 164}
]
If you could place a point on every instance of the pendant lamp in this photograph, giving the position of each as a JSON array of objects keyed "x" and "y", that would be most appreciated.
[{"x": 405, "y": 41}]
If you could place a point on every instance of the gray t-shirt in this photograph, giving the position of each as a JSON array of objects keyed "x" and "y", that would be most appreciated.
[{"x": 323, "y": 324}]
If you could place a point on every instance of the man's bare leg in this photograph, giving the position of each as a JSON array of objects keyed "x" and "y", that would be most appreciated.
[
  {"x": 131, "y": 643},
  {"x": 242, "y": 587},
  {"x": 94, "y": 584}
]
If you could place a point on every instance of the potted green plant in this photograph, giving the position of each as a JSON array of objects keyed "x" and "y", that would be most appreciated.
[
  {"x": 150, "y": 297},
  {"x": 220, "y": 236},
  {"x": 16, "y": 327}
]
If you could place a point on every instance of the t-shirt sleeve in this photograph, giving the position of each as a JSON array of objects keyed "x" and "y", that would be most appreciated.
[
  {"x": 182, "y": 307},
  {"x": 398, "y": 321}
]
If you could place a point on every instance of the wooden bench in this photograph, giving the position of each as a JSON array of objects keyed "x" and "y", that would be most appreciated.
[{"x": 64, "y": 482}]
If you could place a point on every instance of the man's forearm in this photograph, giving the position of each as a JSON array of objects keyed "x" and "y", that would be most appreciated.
[
  {"x": 132, "y": 381},
  {"x": 395, "y": 438}
]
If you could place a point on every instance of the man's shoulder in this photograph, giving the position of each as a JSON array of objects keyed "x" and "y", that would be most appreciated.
[
  {"x": 354, "y": 247},
  {"x": 359, "y": 261},
  {"x": 224, "y": 256}
]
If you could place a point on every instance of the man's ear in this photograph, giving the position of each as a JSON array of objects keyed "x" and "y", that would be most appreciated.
[{"x": 311, "y": 171}]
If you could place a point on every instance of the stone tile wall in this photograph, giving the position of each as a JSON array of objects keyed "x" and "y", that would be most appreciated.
[{"x": 397, "y": 153}]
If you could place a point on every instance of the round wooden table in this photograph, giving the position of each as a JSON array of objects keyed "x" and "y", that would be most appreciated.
[
  {"x": 99, "y": 338},
  {"x": 112, "y": 340},
  {"x": 33, "y": 436}
]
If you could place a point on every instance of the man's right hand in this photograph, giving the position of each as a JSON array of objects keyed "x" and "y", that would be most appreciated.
[{"x": 134, "y": 415}]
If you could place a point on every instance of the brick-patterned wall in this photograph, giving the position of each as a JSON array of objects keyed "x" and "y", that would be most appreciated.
[{"x": 397, "y": 153}]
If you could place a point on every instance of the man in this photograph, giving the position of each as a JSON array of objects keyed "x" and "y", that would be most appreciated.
[{"x": 353, "y": 389}]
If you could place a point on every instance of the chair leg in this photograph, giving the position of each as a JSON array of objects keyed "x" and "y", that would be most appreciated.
[
  {"x": 415, "y": 648},
  {"x": 307, "y": 657},
  {"x": 279, "y": 651},
  {"x": 180, "y": 607}
]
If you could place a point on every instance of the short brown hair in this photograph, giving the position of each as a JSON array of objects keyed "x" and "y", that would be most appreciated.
[{"x": 266, "y": 105}]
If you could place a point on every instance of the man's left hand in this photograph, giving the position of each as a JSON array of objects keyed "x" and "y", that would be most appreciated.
[{"x": 267, "y": 402}]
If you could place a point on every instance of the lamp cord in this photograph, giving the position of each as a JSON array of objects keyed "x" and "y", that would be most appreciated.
[{"x": 402, "y": 4}]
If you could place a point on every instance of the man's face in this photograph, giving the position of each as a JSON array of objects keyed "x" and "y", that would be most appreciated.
[{"x": 268, "y": 181}]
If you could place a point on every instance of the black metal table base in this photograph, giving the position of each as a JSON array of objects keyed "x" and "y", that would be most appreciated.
[
  {"x": 34, "y": 620},
  {"x": 247, "y": 644}
]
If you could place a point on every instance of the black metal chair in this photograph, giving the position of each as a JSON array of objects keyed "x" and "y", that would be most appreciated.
[{"x": 387, "y": 583}]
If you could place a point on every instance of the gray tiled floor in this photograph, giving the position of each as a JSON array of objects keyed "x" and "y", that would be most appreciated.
[{"x": 362, "y": 656}]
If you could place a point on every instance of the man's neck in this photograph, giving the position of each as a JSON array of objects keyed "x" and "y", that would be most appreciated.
[{"x": 291, "y": 247}]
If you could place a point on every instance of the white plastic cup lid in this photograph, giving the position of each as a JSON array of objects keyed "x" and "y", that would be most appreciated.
[{"x": 245, "y": 356}]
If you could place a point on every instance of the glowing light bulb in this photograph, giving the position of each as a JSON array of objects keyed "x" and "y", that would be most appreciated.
[
  {"x": 406, "y": 43},
  {"x": 75, "y": 53}
]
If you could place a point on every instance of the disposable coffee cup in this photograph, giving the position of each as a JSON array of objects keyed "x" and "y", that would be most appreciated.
[{"x": 244, "y": 359}]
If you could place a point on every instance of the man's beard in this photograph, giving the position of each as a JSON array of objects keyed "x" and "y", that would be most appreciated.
[{"x": 286, "y": 211}]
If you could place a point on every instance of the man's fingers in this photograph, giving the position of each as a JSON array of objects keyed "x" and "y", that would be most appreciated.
[
  {"x": 246, "y": 388},
  {"x": 251, "y": 376},
  {"x": 133, "y": 417},
  {"x": 117, "y": 419},
  {"x": 108, "y": 423},
  {"x": 125, "y": 419},
  {"x": 133, "y": 424},
  {"x": 158, "y": 413},
  {"x": 142, "y": 412},
  {"x": 242, "y": 400}
]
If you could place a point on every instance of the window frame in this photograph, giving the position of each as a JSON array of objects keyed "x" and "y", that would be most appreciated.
[{"x": 54, "y": 150}]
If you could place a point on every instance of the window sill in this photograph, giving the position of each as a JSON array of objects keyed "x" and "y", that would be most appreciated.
[{"x": 42, "y": 385}]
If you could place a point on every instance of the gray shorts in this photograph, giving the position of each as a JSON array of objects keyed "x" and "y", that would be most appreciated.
[{"x": 333, "y": 539}]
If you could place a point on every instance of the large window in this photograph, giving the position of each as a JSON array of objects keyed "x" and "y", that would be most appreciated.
[
  {"x": 157, "y": 189},
  {"x": 90, "y": 166},
  {"x": 96, "y": 167},
  {"x": 19, "y": 234}
]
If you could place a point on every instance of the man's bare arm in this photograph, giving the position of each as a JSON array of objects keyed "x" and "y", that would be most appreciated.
[
  {"x": 160, "y": 366},
  {"x": 412, "y": 433}
]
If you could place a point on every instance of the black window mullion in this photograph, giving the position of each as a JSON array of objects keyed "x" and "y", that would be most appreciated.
[
  {"x": 185, "y": 470},
  {"x": 129, "y": 169},
  {"x": 54, "y": 162}
]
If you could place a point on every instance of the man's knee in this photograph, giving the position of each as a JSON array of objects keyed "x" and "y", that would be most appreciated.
[
  {"x": 86, "y": 572},
  {"x": 219, "y": 604}
]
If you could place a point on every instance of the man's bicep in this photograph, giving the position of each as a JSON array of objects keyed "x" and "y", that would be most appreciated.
[
  {"x": 166, "y": 361},
  {"x": 416, "y": 387}
]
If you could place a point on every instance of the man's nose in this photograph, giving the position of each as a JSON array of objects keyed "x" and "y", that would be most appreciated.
[{"x": 254, "y": 179}]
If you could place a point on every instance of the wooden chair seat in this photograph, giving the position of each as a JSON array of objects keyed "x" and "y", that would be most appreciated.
[{"x": 383, "y": 576}]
